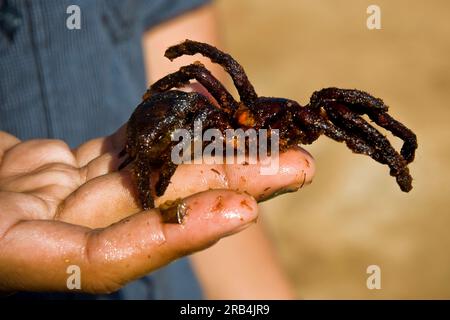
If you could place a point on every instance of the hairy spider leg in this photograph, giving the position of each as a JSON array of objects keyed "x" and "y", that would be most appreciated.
[
  {"x": 363, "y": 103},
  {"x": 383, "y": 152},
  {"x": 234, "y": 69},
  {"x": 316, "y": 124}
]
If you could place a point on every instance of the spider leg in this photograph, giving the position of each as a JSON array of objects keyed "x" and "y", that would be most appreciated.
[
  {"x": 381, "y": 151},
  {"x": 363, "y": 103},
  {"x": 234, "y": 69},
  {"x": 316, "y": 124},
  {"x": 167, "y": 170},
  {"x": 348, "y": 97},
  {"x": 198, "y": 72},
  {"x": 142, "y": 174}
]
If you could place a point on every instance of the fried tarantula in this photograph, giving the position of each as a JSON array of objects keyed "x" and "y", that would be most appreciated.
[{"x": 337, "y": 113}]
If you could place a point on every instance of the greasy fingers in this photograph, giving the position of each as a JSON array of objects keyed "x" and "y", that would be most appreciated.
[
  {"x": 145, "y": 244},
  {"x": 36, "y": 254},
  {"x": 112, "y": 197}
]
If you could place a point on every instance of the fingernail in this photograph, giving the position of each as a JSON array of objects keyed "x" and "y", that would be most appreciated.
[{"x": 277, "y": 193}]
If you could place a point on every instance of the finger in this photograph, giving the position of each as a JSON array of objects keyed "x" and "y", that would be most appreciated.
[
  {"x": 35, "y": 255},
  {"x": 7, "y": 141},
  {"x": 95, "y": 148},
  {"x": 295, "y": 158},
  {"x": 296, "y": 169},
  {"x": 33, "y": 154},
  {"x": 101, "y": 201},
  {"x": 52, "y": 184},
  {"x": 109, "y": 198}
]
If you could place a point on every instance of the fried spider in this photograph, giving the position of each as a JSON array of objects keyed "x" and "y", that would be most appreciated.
[{"x": 337, "y": 113}]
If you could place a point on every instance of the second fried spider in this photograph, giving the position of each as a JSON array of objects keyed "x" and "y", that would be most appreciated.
[{"x": 337, "y": 113}]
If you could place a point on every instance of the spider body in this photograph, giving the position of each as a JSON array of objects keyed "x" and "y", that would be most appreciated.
[{"x": 336, "y": 113}]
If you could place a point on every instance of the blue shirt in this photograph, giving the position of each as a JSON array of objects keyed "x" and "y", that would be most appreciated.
[{"x": 76, "y": 85}]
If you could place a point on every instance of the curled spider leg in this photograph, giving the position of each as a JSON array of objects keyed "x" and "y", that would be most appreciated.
[
  {"x": 234, "y": 69},
  {"x": 363, "y": 103},
  {"x": 383, "y": 119},
  {"x": 382, "y": 151},
  {"x": 198, "y": 72},
  {"x": 362, "y": 146},
  {"x": 325, "y": 126}
]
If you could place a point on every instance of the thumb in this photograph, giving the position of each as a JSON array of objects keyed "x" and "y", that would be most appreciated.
[{"x": 143, "y": 242}]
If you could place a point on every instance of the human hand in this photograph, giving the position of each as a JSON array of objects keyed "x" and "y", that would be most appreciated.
[{"x": 62, "y": 207}]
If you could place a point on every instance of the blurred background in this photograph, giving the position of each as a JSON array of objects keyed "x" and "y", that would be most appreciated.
[{"x": 354, "y": 215}]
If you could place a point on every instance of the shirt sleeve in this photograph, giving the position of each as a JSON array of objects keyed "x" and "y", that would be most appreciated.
[{"x": 162, "y": 10}]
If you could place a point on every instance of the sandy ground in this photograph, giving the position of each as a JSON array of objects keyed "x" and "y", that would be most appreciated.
[{"x": 354, "y": 215}]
